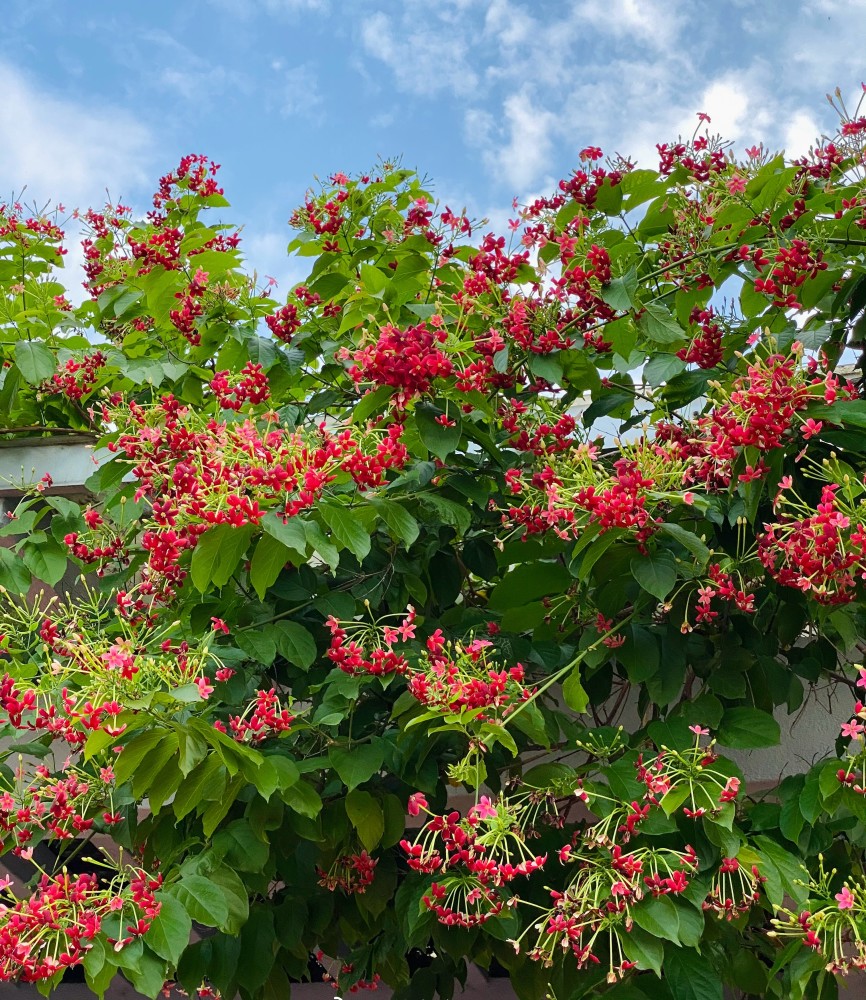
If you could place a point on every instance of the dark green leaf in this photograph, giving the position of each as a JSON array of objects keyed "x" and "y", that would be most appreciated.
[
  {"x": 34, "y": 360},
  {"x": 170, "y": 930}
]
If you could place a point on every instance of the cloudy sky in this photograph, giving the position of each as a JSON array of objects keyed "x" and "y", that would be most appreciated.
[{"x": 491, "y": 98}]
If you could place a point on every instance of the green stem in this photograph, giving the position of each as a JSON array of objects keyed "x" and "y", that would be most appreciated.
[{"x": 563, "y": 671}]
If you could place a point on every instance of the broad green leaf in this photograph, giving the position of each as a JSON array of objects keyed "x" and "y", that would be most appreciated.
[
  {"x": 139, "y": 749},
  {"x": 529, "y": 582},
  {"x": 14, "y": 575},
  {"x": 35, "y": 361},
  {"x": 689, "y": 540},
  {"x": 359, "y": 763},
  {"x": 659, "y": 325},
  {"x": 691, "y": 976},
  {"x": 346, "y": 530},
  {"x": 295, "y": 643},
  {"x": 291, "y": 534},
  {"x": 258, "y": 644},
  {"x": 658, "y": 916},
  {"x": 268, "y": 560},
  {"x": 217, "y": 554},
  {"x": 321, "y": 544},
  {"x": 170, "y": 930},
  {"x": 401, "y": 524},
  {"x": 656, "y": 572},
  {"x": 45, "y": 557},
  {"x": 573, "y": 692},
  {"x": 238, "y": 846},
  {"x": 365, "y": 815},
  {"x": 619, "y": 292},
  {"x": 441, "y": 440},
  {"x": 303, "y": 798},
  {"x": 748, "y": 728},
  {"x": 202, "y": 899},
  {"x": 644, "y": 949}
]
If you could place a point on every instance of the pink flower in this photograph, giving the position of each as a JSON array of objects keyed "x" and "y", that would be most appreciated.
[
  {"x": 698, "y": 731},
  {"x": 844, "y": 898},
  {"x": 704, "y": 117},
  {"x": 688, "y": 498},
  {"x": 205, "y": 688},
  {"x": 417, "y": 802},
  {"x": 753, "y": 152},
  {"x": 861, "y": 682},
  {"x": 219, "y": 625},
  {"x": 736, "y": 184},
  {"x": 485, "y": 809},
  {"x": 811, "y": 427},
  {"x": 852, "y": 729}
]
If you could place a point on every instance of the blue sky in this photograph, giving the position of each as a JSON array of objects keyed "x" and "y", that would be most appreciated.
[{"x": 491, "y": 98}]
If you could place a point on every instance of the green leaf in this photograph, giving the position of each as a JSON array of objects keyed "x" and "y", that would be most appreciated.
[
  {"x": 14, "y": 575},
  {"x": 35, "y": 361},
  {"x": 217, "y": 554},
  {"x": 234, "y": 892},
  {"x": 346, "y": 530},
  {"x": 644, "y": 949},
  {"x": 45, "y": 557},
  {"x": 370, "y": 403},
  {"x": 690, "y": 976},
  {"x": 547, "y": 366},
  {"x": 303, "y": 798},
  {"x": 748, "y": 729},
  {"x": 373, "y": 280},
  {"x": 661, "y": 368},
  {"x": 268, "y": 560},
  {"x": 438, "y": 439},
  {"x": 357, "y": 764},
  {"x": 619, "y": 292},
  {"x": 139, "y": 749},
  {"x": 448, "y": 511},
  {"x": 258, "y": 645},
  {"x": 205, "y": 780},
  {"x": 655, "y": 572},
  {"x": 202, "y": 899},
  {"x": 170, "y": 930},
  {"x": 573, "y": 692},
  {"x": 291, "y": 534},
  {"x": 528, "y": 582},
  {"x": 658, "y": 916},
  {"x": 237, "y": 845},
  {"x": 321, "y": 544},
  {"x": 659, "y": 325},
  {"x": 365, "y": 815},
  {"x": 689, "y": 540},
  {"x": 401, "y": 524},
  {"x": 295, "y": 643}
]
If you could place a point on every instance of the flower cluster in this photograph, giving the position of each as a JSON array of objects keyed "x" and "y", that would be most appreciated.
[
  {"x": 197, "y": 472},
  {"x": 473, "y": 857},
  {"x": 821, "y": 553},
  {"x": 352, "y": 873},
  {"x": 447, "y": 678},
  {"x": 249, "y": 386},
  {"x": 830, "y": 923},
  {"x": 263, "y": 719},
  {"x": 56, "y": 807},
  {"x": 51, "y": 930},
  {"x": 77, "y": 379}
]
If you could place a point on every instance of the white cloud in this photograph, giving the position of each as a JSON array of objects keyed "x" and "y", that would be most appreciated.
[
  {"x": 67, "y": 151},
  {"x": 299, "y": 93},
  {"x": 426, "y": 52},
  {"x": 519, "y": 149},
  {"x": 656, "y": 22}
]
